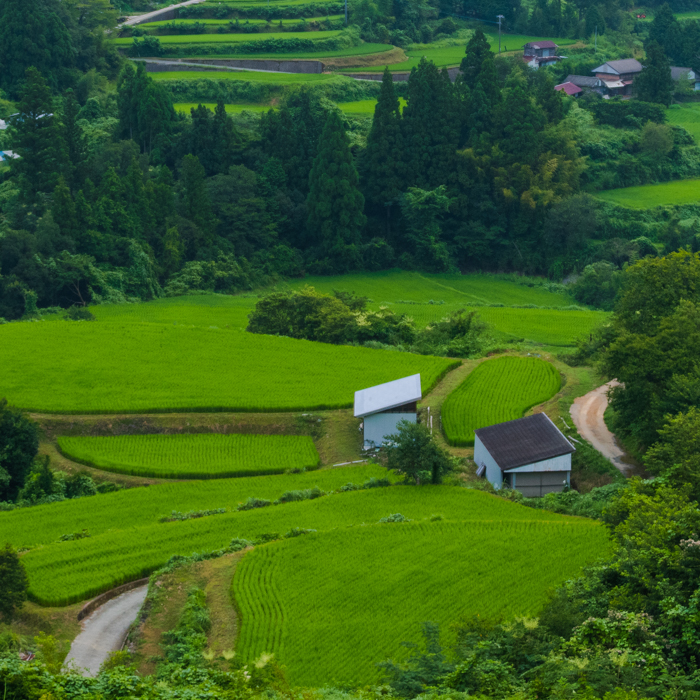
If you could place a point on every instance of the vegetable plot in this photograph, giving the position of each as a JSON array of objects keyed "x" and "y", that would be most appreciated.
[
  {"x": 333, "y": 604},
  {"x": 495, "y": 392},
  {"x": 203, "y": 456}
]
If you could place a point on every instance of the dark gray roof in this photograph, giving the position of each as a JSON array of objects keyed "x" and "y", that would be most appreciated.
[
  {"x": 524, "y": 441},
  {"x": 624, "y": 65},
  {"x": 678, "y": 73},
  {"x": 582, "y": 81}
]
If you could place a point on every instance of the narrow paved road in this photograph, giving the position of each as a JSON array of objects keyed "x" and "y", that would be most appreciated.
[
  {"x": 587, "y": 413},
  {"x": 104, "y": 631},
  {"x": 153, "y": 16}
]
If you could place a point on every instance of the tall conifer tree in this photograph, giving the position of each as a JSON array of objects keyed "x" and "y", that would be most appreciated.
[
  {"x": 654, "y": 83},
  {"x": 335, "y": 202},
  {"x": 478, "y": 50},
  {"x": 381, "y": 166}
]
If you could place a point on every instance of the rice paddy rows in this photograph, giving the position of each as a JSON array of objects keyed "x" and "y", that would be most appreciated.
[
  {"x": 332, "y": 604},
  {"x": 138, "y": 368},
  {"x": 231, "y": 38},
  {"x": 497, "y": 391},
  {"x": 203, "y": 456},
  {"x": 67, "y": 572},
  {"x": 249, "y": 76},
  {"x": 648, "y": 196}
]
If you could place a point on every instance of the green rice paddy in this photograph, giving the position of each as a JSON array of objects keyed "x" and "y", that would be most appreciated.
[
  {"x": 242, "y": 22},
  {"x": 686, "y": 115},
  {"x": 250, "y": 76},
  {"x": 360, "y": 108},
  {"x": 648, "y": 196},
  {"x": 361, "y": 50},
  {"x": 232, "y": 38}
]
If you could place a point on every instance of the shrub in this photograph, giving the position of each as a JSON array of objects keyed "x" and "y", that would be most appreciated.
[
  {"x": 253, "y": 502},
  {"x": 238, "y": 543},
  {"x": 81, "y": 534},
  {"x": 297, "y": 531},
  {"x": 302, "y": 495},
  {"x": 394, "y": 518}
]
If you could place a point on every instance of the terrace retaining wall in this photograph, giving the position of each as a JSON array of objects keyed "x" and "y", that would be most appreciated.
[{"x": 267, "y": 66}]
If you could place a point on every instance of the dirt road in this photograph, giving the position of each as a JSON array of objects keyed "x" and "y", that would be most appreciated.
[
  {"x": 587, "y": 413},
  {"x": 104, "y": 631}
]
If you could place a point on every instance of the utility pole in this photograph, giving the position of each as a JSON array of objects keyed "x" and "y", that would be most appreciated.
[
  {"x": 595, "y": 46},
  {"x": 346, "y": 13},
  {"x": 500, "y": 17}
]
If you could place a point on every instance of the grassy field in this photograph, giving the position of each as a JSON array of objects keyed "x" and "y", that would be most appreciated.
[
  {"x": 142, "y": 507},
  {"x": 231, "y": 38},
  {"x": 227, "y": 22},
  {"x": 497, "y": 391},
  {"x": 249, "y": 76},
  {"x": 333, "y": 604},
  {"x": 648, "y": 196},
  {"x": 445, "y": 56},
  {"x": 426, "y": 298},
  {"x": 115, "y": 368},
  {"x": 65, "y": 572},
  {"x": 688, "y": 116},
  {"x": 203, "y": 456}
]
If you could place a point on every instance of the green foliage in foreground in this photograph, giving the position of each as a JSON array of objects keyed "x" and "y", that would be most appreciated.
[
  {"x": 67, "y": 572},
  {"x": 110, "y": 368},
  {"x": 497, "y": 391},
  {"x": 303, "y": 600},
  {"x": 203, "y": 456},
  {"x": 648, "y": 196},
  {"x": 13, "y": 583},
  {"x": 139, "y": 507}
]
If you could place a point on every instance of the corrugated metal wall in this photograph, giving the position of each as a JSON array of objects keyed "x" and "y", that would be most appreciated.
[
  {"x": 378, "y": 425},
  {"x": 483, "y": 457}
]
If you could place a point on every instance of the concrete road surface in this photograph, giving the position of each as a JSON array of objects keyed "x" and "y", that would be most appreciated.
[
  {"x": 587, "y": 413},
  {"x": 104, "y": 631},
  {"x": 153, "y": 16}
]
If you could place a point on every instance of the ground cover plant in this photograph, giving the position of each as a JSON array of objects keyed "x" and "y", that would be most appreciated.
[
  {"x": 171, "y": 368},
  {"x": 303, "y": 600},
  {"x": 199, "y": 456},
  {"x": 247, "y": 76},
  {"x": 647, "y": 196},
  {"x": 232, "y": 38},
  {"x": 497, "y": 391},
  {"x": 139, "y": 507},
  {"x": 66, "y": 572}
]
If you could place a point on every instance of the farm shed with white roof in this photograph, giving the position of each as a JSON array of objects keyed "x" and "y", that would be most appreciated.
[
  {"x": 382, "y": 407},
  {"x": 528, "y": 454}
]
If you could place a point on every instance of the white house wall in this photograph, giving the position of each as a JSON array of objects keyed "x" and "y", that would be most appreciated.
[
  {"x": 483, "y": 458},
  {"x": 379, "y": 425},
  {"x": 556, "y": 464}
]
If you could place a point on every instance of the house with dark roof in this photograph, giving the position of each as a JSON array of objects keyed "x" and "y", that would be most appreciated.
[
  {"x": 528, "y": 454},
  {"x": 569, "y": 89},
  {"x": 618, "y": 76},
  {"x": 586, "y": 82},
  {"x": 678, "y": 73},
  {"x": 540, "y": 53},
  {"x": 382, "y": 407}
]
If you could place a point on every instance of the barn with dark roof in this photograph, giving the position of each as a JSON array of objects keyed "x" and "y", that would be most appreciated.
[{"x": 528, "y": 454}]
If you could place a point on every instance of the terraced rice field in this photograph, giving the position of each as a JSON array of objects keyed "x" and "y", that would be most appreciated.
[
  {"x": 446, "y": 56},
  {"x": 686, "y": 115},
  {"x": 203, "y": 456},
  {"x": 231, "y": 38},
  {"x": 66, "y": 572},
  {"x": 360, "y": 108},
  {"x": 333, "y": 604},
  {"x": 227, "y": 22},
  {"x": 361, "y": 50},
  {"x": 137, "y": 368},
  {"x": 497, "y": 391},
  {"x": 648, "y": 196}
]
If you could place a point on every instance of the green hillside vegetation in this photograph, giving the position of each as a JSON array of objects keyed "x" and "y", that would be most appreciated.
[
  {"x": 139, "y": 507},
  {"x": 171, "y": 368},
  {"x": 303, "y": 600},
  {"x": 360, "y": 107},
  {"x": 232, "y": 38},
  {"x": 67, "y": 572},
  {"x": 203, "y": 456},
  {"x": 648, "y": 196},
  {"x": 497, "y": 391},
  {"x": 686, "y": 115}
]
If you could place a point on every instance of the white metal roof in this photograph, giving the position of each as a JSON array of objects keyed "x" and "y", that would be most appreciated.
[{"x": 385, "y": 396}]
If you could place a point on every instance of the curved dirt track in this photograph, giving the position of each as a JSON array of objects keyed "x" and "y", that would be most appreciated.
[
  {"x": 587, "y": 413},
  {"x": 104, "y": 631}
]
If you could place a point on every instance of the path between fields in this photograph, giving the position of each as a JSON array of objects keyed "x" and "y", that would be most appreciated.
[
  {"x": 588, "y": 413},
  {"x": 104, "y": 631},
  {"x": 151, "y": 16}
]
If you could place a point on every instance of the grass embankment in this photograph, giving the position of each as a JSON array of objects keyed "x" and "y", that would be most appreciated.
[
  {"x": 648, "y": 196},
  {"x": 177, "y": 369},
  {"x": 247, "y": 76},
  {"x": 361, "y": 50},
  {"x": 232, "y": 38},
  {"x": 241, "y": 22},
  {"x": 330, "y": 605},
  {"x": 199, "y": 456}
]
